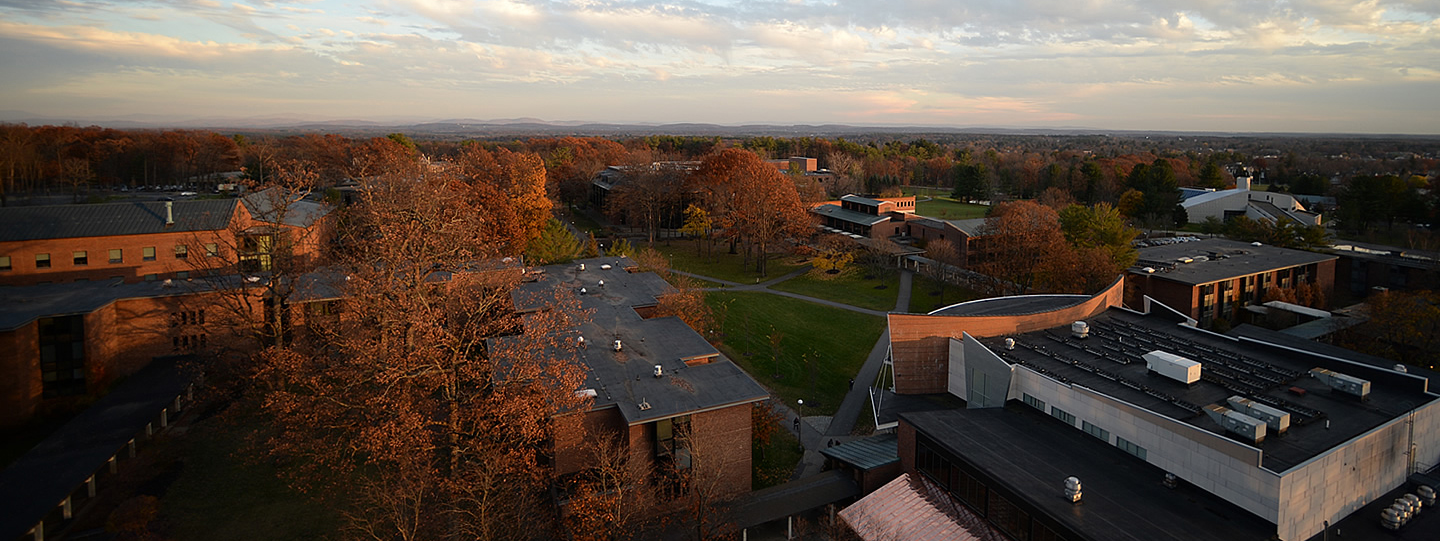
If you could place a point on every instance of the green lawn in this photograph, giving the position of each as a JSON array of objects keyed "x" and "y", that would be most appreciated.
[
  {"x": 585, "y": 224},
  {"x": 946, "y": 208},
  {"x": 849, "y": 287},
  {"x": 923, "y": 302},
  {"x": 722, "y": 265},
  {"x": 834, "y": 341},
  {"x": 220, "y": 496}
]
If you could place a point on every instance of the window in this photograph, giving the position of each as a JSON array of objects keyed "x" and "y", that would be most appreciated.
[
  {"x": 62, "y": 355},
  {"x": 1095, "y": 431},
  {"x": 1131, "y": 448},
  {"x": 181, "y": 251},
  {"x": 81, "y": 258},
  {"x": 148, "y": 253},
  {"x": 4, "y": 262},
  {"x": 255, "y": 253},
  {"x": 932, "y": 463},
  {"x": 1062, "y": 415},
  {"x": 42, "y": 261},
  {"x": 970, "y": 491},
  {"x": 1008, "y": 517},
  {"x": 669, "y": 434},
  {"x": 1033, "y": 402},
  {"x": 152, "y": 277},
  {"x": 182, "y": 275},
  {"x": 117, "y": 255},
  {"x": 211, "y": 249}
]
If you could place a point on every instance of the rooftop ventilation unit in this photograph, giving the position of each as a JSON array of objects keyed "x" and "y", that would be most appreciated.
[
  {"x": 580, "y": 340},
  {"x": 582, "y": 393},
  {"x": 605, "y": 266},
  {"x": 1010, "y": 344},
  {"x": 617, "y": 345},
  {"x": 1233, "y": 421},
  {"x": 582, "y": 266},
  {"x": 1080, "y": 329},
  {"x": 1173, "y": 366},
  {"x": 659, "y": 371},
  {"x": 1072, "y": 489},
  {"x": 1276, "y": 419},
  {"x": 1184, "y": 260},
  {"x": 1350, "y": 385}
]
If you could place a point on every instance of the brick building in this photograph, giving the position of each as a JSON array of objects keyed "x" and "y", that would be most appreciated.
[
  {"x": 1209, "y": 279},
  {"x": 137, "y": 281},
  {"x": 153, "y": 240},
  {"x": 652, "y": 379},
  {"x": 1263, "y": 436}
]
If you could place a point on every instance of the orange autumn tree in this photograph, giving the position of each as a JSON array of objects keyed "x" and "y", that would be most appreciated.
[
  {"x": 429, "y": 402},
  {"x": 1024, "y": 248},
  {"x": 518, "y": 177},
  {"x": 753, "y": 201}
]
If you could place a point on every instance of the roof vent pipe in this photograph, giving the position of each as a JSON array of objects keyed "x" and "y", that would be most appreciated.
[
  {"x": 617, "y": 345},
  {"x": 1072, "y": 489},
  {"x": 169, "y": 213},
  {"x": 582, "y": 266},
  {"x": 1010, "y": 344},
  {"x": 659, "y": 371}
]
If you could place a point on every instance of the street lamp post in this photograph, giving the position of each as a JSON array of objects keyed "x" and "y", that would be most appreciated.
[{"x": 800, "y": 424}]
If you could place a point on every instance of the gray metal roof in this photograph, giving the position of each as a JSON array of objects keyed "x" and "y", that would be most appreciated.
[
  {"x": 267, "y": 206},
  {"x": 625, "y": 380},
  {"x": 1238, "y": 259},
  {"x": 869, "y": 453},
  {"x": 109, "y": 219},
  {"x": 971, "y": 226},
  {"x": 852, "y": 216},
  {"x": 861, "y": 200}
]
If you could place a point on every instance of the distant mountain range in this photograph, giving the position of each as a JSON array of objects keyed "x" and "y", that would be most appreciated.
[{"x": 534, "y": 127}]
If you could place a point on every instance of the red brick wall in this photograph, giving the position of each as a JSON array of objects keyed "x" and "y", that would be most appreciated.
[
  {"x": 919, "y": 344},
  {"x": 133, "y": 267},
  {"x": 19, "y": 375},
  {"x": 723, "y": 435},
  {"x": 905, "y": 433},
  {"x": 576, "y": 435}
]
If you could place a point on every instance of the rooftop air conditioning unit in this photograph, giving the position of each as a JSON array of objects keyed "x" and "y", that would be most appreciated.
[
  {"x": 1173, "y": 366},
  {"x": 1080, "y": 329},
  {"x": 1184, "y": 260},
  {"x": 1250, "y": 428},
  {"x": 1347, "y": 384},
  {"x": 1277, "y": 420}
]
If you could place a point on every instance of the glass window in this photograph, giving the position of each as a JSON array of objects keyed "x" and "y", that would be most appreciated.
[
  {"x": 42, "y": 261},
  {"x": 4, "y": 262},
  {"x": 1131, "y": 448},
  {"x": 181, "y": 275},
  {"x": 62, "y": 355},
  {"x": 1062, "y": 415},
  {"x": 117, "y": 255},
  {"x": 1008, "y": 517},
  {"x": 1095, "y": 431},
  {"x": 211, "y": 249},
  {"x": 1033, "y": 402},
  {"x": 970, "y": 491},
  {"x": 152, "y": 277},
  {"x": 181, "y": 251},
  {"x": 81, "y": 258},
  {"x": 148, "y": 253},
  {"x": 933, "y": 464}
]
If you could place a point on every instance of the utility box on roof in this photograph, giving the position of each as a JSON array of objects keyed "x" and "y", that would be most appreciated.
[{"x": 1173, "y": 366}]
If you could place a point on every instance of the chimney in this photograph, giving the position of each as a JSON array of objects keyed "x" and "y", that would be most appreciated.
[{"x": 169, "y": 213}]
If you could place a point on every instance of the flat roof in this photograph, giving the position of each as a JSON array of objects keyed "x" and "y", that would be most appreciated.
[
  {"x": 867, "y": 453},
  {"x": 862, "y": 200},
  {"x": 34, "y": 484},
  {"x": 847, "y": 215},
  {"x": 625, "y": 379},
  {"x": 1011, "y": 306},
  {"x": 1031, "y": 454},
  {"x": 1110, "y": 362},
  {"x": 1224, "y": 259}
]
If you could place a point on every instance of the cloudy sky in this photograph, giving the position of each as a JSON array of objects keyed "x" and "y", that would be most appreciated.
[{"x": 1231, "y": 65}]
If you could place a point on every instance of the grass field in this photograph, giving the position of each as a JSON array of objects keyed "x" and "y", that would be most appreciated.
[
  {"x": 820, "y": 350},
  {"x": 722, "y": 265},
  {"x": 942, "y": 206},
  {"x": 218, "y": 496},
  {"x": 774, "y": 463},
  {"x": 849, "y": 287}
]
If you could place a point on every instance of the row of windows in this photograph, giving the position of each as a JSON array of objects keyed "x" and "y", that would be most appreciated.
[
  {"x": 114, "y": 255},
  {"x": 189, "y": 342},
  {"x": 1033, "y": 402},
  {"x": 187, "y": 317},
  {"x": 1089, "y": 428},
  {"x": 972, "y": 492}
]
